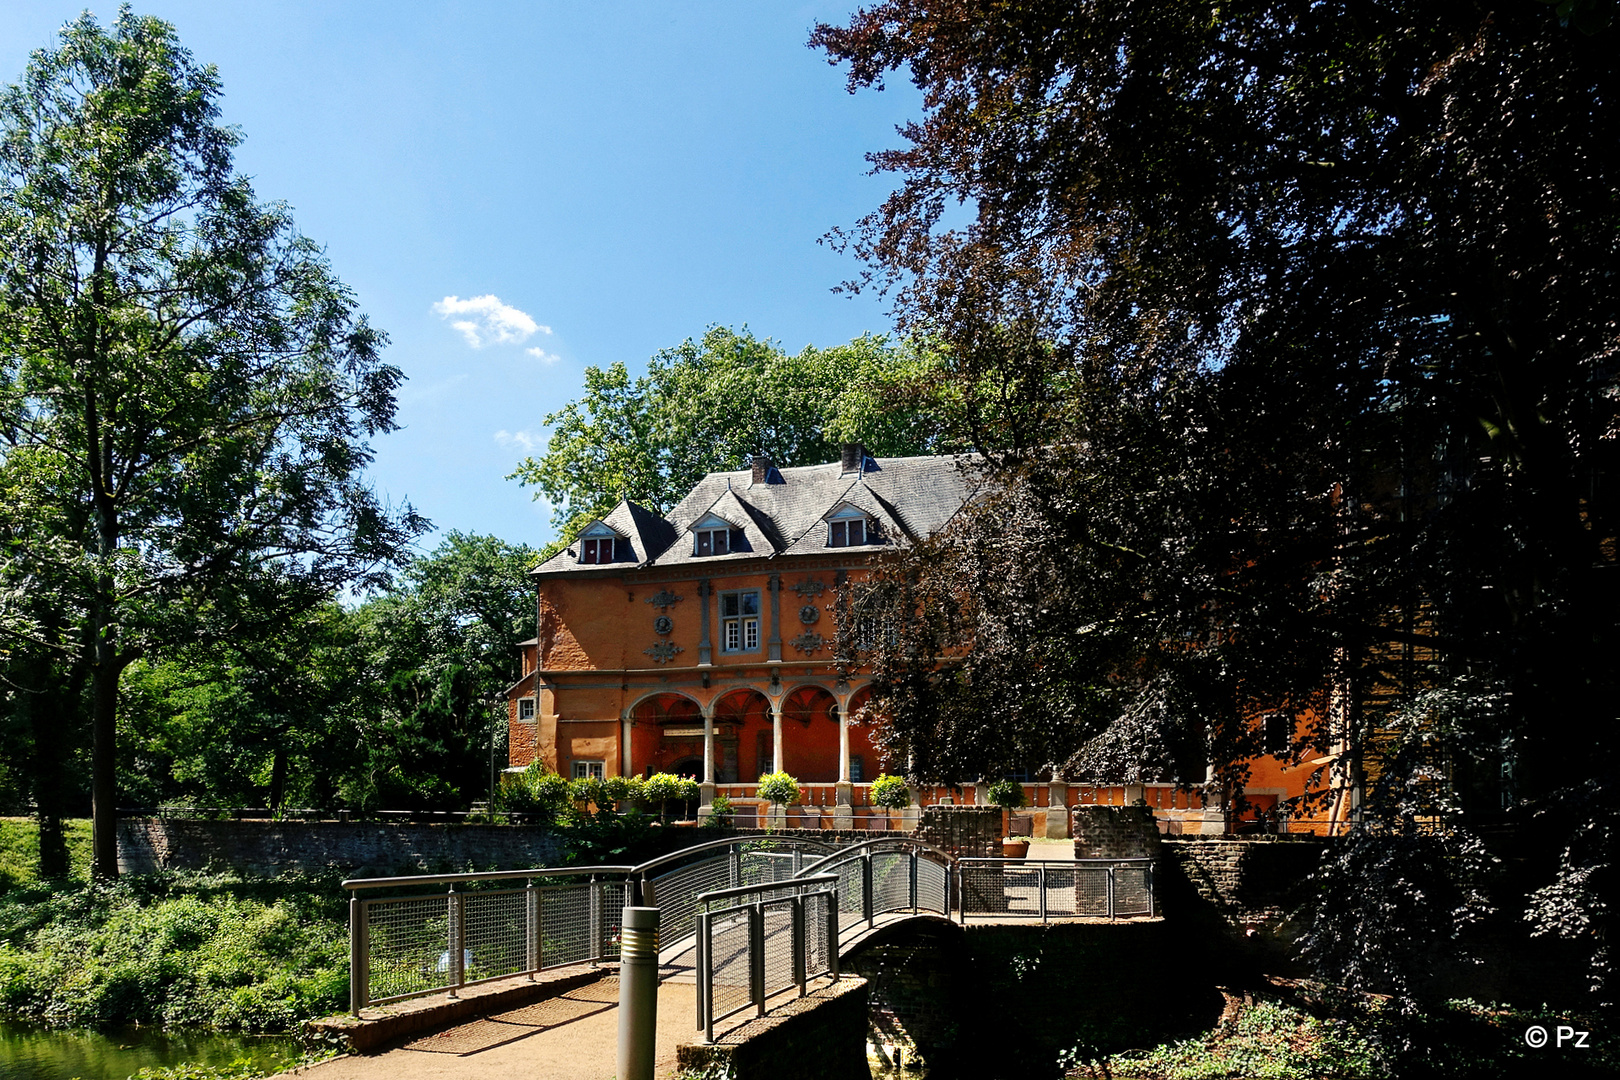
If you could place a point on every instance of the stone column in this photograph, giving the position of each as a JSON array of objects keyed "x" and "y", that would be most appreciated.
[
  {"x": 981, "y": 794},
  {"x": 844, "y": 789},
  {"x": 1057, "y": 810},
  {"x": 626, "y": 766},
  {"x": 706, "y": 789},
  {"x": 776, "y": 735}
]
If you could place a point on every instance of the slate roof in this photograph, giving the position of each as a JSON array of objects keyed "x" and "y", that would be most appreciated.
[{"x": 908, "y": 497}]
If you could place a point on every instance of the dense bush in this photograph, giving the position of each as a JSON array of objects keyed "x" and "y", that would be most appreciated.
[
  {"x": 891, "y": 792},
  {"x": 181, "y": 949},
  {"x": 779, "y": 788},
  {"x": 1007, "y": 794}
]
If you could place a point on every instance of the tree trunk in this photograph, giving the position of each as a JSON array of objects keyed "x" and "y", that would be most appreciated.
[
  {"x": 51, "y": 723},
  {"x": 104, "y": 762}
]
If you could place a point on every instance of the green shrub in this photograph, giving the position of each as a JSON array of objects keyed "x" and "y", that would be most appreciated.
[
  {"x": 1007, "y": 794},
  {"x": 622, "y": 789},
  {"x": 779, "y": 788},
  {"x": 176, "y": 949},
  {"x": 586, "y": 792},
  {"x": 891, "y": 792},
  {"x": 691, "y": 790},
  {"x": 720, "y": 811},
  {"x": 661, "y": 788}
]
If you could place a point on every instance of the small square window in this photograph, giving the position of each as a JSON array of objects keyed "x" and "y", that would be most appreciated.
[
  {"x": 526, "y": 708},
  {"x": 597, "y": 550},
  {"x": 847, "y": 533},
  {"x": 712, "y": 542},
  {"x": 588, "y": 770}
]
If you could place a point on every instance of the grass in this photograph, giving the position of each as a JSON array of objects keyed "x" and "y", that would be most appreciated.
[{"x": 19, "y": 850}]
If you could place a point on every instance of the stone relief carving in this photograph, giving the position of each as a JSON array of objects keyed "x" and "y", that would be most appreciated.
[
  {"x": 811, "y": 587},
  {"x": 663, "y": 599},
  {"x": 809, "y": 642},
  {"x": 663, "y": 652},
  {"x": 663, "y": 625},
  {"x": 809, "y": 614}
]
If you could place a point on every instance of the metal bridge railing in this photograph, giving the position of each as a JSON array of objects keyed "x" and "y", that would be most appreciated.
[
  {"x": 408, "y": 946},
  {"x": 756, "y": 941},
  {"x": 1045, "y": 890},
  {"x": 889, "y": 874}
]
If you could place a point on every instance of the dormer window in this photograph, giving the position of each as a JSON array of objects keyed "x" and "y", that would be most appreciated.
[
  {"x": 599, "y": 544},
  {"x": 848, "y": 528},
  {"x": 851, "y": 533},
  {"x": 712, "y": 542},
  {"x": 717, "y": 536}
]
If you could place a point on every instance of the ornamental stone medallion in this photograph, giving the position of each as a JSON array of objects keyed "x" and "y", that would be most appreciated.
[
  {"x": 663, "y": 625},
  {"x": 663, "y": 600},
  {"x": 809, "y": 614}
]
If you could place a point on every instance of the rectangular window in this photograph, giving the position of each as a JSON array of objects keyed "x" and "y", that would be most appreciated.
[
  {"x": 1278, "y": 734},
  {"x": 712, "y": 542},
  {"x": 739, "y": 621},
  {"x": 526, "y": 708},
  {"x": 851, "y": 533},
  {"x": 588, "y": 770},
  {"x": 597, "y": 550}
]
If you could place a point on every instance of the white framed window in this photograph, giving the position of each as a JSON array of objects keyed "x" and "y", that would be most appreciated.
[
  {"x": 526, "y": 708},
  {"x": 847, "y": 532},
  {"x": 588, "y": 770},
  {"x": 739, "y": 621}
]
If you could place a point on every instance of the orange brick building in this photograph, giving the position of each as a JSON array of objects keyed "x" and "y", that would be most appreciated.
[{"x": 701, "y": 643}]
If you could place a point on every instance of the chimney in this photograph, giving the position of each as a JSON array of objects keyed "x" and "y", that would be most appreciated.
[
  {"x": 853, "y": 458},
  {"x": 762, "y": 469}
]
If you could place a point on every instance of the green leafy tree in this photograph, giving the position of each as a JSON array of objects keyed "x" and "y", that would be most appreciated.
[
  {"x": 1303, "y": 319},
  {"x": 711, "y": 404},
  {"x": 190, "y": 379}
]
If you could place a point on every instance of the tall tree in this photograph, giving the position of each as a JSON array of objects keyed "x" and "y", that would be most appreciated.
[
  {"x": 187, "y": 368},
  {"x": 1323, "y": 294},
  {"x": 709, "y": 404}
]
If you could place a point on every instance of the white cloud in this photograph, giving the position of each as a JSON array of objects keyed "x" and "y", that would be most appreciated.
[
  {"x": 522, "y": 440},
  {"x": 543, "y": 356},
  {"x": 487, "y": 321}
]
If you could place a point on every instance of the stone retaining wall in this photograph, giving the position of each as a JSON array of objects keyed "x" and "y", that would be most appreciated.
[
  {"x": 821, "y": 1036},
  {"x": 358, "y": 848}
]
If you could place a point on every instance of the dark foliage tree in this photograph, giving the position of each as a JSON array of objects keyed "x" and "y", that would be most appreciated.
[
  {"x": 190, "y": 381},
  {"x": 1317, "y": 303}
]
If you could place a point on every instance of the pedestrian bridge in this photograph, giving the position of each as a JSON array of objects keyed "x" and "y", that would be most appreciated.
[{"x": 743, "y": 919}]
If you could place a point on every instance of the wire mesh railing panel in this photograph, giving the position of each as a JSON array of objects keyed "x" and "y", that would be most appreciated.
[
  {"x": 496, "y": 938},
  {"x": 612, "y": 918},
  {"x": 1060, "y": 893},
  {"x": 933, "y": 886},
  {"x": 778, "y": 946},
  {"x": 1002, "y": 890},
  {"x": 1133, "y": 891},
  {"x": 849, "y": 887},
  {"x": 728, "y": 963},
  {"x": 675, "y": 893},
  {"x": 760, "y": 867},
  {"x": 566, "y": 926},
  {"x": 818, "y": 948},
  {"x": 1091, "y": 891},
  {"x": 409, "y": 946},
  {"x": 891, "y": 881}
]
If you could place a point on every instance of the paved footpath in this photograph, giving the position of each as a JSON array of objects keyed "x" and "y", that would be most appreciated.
[{"x": 572, "y": 1037}]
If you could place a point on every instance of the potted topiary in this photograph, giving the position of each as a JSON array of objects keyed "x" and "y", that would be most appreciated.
[
  {"x": 891, "y": 792},
  {"x": 662, "y": 788},
  {"x": 781, "y": 791},
  {"x": 1009, "y": 795}
]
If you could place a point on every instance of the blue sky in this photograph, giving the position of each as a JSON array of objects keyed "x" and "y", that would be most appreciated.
[{"x": 616, "y": 176}]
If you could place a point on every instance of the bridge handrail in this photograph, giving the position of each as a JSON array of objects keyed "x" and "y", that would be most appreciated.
[
  {"x": 353, "y": 884},
  {"x": 1138, "y": 860},
  {"x": 855, "y": 850},
  {"x": 726, "y": 841},
  {"x": 765, "y": 886}
]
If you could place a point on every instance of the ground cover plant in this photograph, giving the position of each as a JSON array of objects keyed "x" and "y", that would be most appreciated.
[{"x": 216, "y": 949}]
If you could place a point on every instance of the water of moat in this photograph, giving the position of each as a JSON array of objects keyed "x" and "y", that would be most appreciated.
[{"x": 31, "y": 1052}]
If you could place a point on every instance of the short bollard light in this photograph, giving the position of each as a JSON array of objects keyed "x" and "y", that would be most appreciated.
[{"x": 638, "y": 992}]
